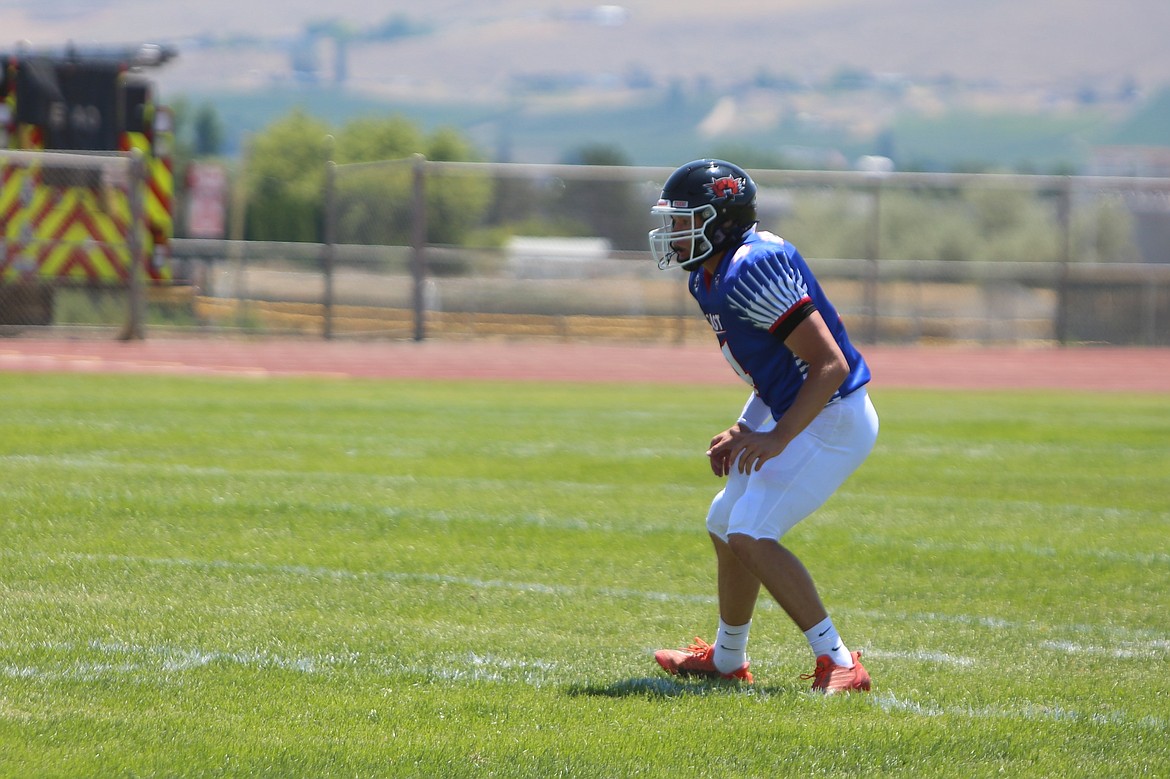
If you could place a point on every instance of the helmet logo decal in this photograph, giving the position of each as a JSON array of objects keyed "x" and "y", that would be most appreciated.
[{"x": 725, "y": 187}]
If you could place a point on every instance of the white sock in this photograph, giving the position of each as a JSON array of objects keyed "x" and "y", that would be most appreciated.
[
  {"x": 731, "y": 646},
  {"x": 824, "y": 640}
]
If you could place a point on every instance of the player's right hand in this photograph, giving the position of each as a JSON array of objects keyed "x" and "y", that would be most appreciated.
[{"x": 722, "y": 447}]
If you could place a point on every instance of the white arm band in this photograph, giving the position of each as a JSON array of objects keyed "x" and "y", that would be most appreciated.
[{"x": 755, "y": 412}]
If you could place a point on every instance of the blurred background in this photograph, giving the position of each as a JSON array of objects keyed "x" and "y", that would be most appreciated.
[
  {"x": 959, "y": 167},
  {"x": 1035, "y": 85}
]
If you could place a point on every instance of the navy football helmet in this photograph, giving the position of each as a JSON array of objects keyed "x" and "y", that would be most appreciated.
[{"x": 706, "y": 206}]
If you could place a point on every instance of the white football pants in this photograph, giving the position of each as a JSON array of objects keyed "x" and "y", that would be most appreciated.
[{"x": 767, "y": 503}]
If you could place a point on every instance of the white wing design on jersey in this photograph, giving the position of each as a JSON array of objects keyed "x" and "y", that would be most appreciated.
[{"x": 767, "y": 291}]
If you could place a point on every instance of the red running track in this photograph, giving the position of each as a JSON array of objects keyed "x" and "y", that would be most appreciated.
[{"x": 1084, "y": 368}]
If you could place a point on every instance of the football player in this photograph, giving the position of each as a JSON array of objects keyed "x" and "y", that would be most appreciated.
[{"x": 807, "y": 425}]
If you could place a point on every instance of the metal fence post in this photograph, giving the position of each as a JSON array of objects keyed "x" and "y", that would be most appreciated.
[
  {"x": 1064, "y": 217},
  {"x": 328, "y": 250},
  {"x": 418, "y": 268},
  {"x": 239, "y": 218},
  {"x": 872, "y": 253},
  {"x": 1150, "y": 313},
  {"x": 135, "y": 330}
]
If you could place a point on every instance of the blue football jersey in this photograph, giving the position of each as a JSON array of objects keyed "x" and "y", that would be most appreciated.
[{"x": 761, "y": 291}]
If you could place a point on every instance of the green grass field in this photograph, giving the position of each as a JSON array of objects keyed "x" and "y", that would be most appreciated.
[{"x": 235, "y": 577}]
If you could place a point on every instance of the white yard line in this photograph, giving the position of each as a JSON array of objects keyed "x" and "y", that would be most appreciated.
[
  {"x": 1136, "y": 642},
  {"x": 128, "y": 660},
  {"x": 1025, "y": 711}
]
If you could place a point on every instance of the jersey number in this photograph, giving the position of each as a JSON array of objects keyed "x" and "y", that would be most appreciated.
[{"x": 735, "y": 366}]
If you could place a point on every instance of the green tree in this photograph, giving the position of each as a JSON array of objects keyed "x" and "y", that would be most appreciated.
[
  {"x": 610, "y": 209},
  {"x": 208, "y": 131},
  {"x": 1103, "y": 231},
  {"x": 286, "y": 179},
  {"x": 375, "y": 201},
  {"x": 456, "y": 203},
  {"x": 370, "y": 139}
]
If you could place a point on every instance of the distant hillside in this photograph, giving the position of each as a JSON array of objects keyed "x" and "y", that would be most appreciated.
[
  {"x": 659, "y": 77},
  {"x": 478, "y": 46},
  {"x": 1150, "y": 126}
]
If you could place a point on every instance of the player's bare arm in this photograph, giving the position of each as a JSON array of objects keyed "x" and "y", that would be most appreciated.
[{"x": 812, "y": 342}]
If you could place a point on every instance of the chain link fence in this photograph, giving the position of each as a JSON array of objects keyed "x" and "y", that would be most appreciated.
[{"x": 419, "y": 249}]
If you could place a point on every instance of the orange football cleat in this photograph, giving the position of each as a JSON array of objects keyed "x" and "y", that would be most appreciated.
[
  {"x": 698, "y": 659},
  {"x": 830, "y": 678}
]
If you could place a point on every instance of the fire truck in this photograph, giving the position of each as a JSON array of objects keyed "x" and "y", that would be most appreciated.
[{"x": 63, "y": 226}]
